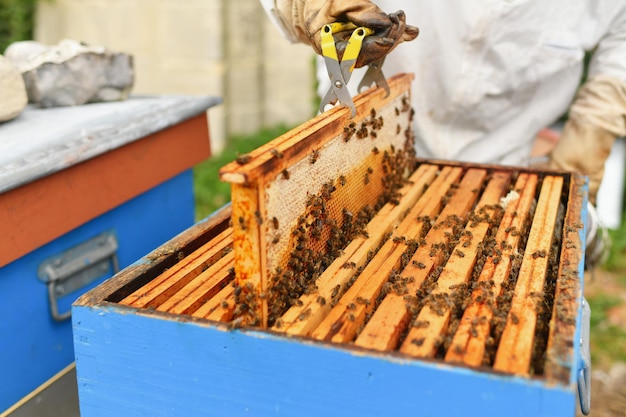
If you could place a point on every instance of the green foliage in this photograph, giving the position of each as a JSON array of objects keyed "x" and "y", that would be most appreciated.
[
  {"x": 16, "y": 21},
  {"x": 210, "y": 192},
  {"x": 607, "y": 339},
  {"x": 616, "y": 261}
]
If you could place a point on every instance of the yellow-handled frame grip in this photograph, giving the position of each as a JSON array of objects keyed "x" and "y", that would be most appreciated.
[
  {"x": 328, "y": 42},
  {"x": 340, "y": 72},
  {"x": 356, "y": 41},
  {"x": 354, "y": 44}
]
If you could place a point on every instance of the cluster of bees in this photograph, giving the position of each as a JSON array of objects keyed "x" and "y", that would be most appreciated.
[
  {"x": 324, "y": 230},
  {"x": 323, "y": 222}
]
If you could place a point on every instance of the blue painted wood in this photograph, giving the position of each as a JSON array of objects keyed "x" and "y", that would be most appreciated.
[
  {"x": 139, "y": 363},
  {"x": 33, "y": 346}
]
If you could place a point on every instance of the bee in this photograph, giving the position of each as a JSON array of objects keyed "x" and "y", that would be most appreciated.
[
  {"x": 397, "y": 111},
  {"x": 459, "y": 253},
  {"x": 347, "y": 134},
  {"x": 276, "y": 153},
  {"x": 420, "y": 265},
  {"x": 366, "y": 179},
  {"x": 363, "y": 301},
  {"x": 417, "y": 341},
  {"x": 285, "y": 174},
  {"x": 321, "y": 300},
  {"x": 243, "y": 159},
  {"x": 421, "y": 324},
  {"x": 349, "y": 265},
  {"x": 514, "y": 318},
  {"x": 398, "y": 129},
  {"x": 242, "y": 223},
  {"x": 373, "y": 113},
  {"x": 375, "y": 150},
  {"x": 314, "y": 156},
  {"x": 342, "y": 180},
  {"x": 259, "y": 219},
  {"x": 275, "y": 223},
  {"x": 351, "y": 317}
]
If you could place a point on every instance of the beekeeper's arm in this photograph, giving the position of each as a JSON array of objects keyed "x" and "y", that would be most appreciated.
[
  {"x": 302, "y": 20},
  {"x": 598, "y": 115}
]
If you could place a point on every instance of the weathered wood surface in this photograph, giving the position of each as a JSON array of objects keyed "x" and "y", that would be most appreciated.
[
  {"x": 431, "y": 325},
  {"x": 471, "y": 338},
  {"x": 219, "y": 308},
  {"x": 568, "y": 292},
  {"x": 165, "y": 286},
  {"x": 388, "y": 321},
  {"x": 84, "y": 191},
  {"x": 302, "y": 319},
  {"x": 43, "y": 141},
  {"x": 516, "y": 344},
  {"x": 202, "y": 288},
  {"x": 344, "y": 320},
  {"x": 142, "y": 272},
  {"x": 270, "y": 159}
]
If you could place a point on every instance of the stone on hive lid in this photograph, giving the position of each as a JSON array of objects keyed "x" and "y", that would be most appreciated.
[
  {"x": 13, "y": 97},
  {"x": 72, "y": 73}
]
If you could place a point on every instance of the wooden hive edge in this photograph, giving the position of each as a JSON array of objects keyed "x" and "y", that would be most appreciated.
[
  {"x": 152, "y": 265},
  {"x": 561, "y": 353},
  {"x": 280, "y": 153}
]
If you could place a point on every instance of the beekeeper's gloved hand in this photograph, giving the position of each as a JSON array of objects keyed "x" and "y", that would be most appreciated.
[
  {"x": 305, "y": 19},
  {"x": 596, "y": 119}
]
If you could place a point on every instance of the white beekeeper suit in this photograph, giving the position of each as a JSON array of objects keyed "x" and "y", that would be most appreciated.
[{"x": 490, "y": 74}]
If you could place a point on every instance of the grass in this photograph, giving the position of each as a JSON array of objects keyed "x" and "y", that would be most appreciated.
[
  {"x": 210, "y": 192},
  {"x": 607, "y": 339},
  {"x": 16, "y": 21}
]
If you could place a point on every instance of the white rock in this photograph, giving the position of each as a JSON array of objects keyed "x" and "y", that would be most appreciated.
[
  {"x": 72, "y": 73},
  {"x": 13, "y": 97}
]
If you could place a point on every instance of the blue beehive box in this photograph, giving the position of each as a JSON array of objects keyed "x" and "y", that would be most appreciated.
[
  {"x": 84, "y": 192},
  {"x": 143, "y": 362},
  {"x": 183, "y": 331}
]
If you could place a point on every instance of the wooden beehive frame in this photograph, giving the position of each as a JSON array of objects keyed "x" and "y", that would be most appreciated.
[
  {"x": 432, "y": 240},
  {"x": 272, "y": 186}
]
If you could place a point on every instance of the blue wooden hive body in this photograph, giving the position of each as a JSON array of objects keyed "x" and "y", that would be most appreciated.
[
  {"x": 72, "y": 177},
  {"x": 212, "y": 322}
]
